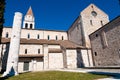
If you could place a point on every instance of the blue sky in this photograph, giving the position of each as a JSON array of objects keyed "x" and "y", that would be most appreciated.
[{"x": 57, "y": 14}]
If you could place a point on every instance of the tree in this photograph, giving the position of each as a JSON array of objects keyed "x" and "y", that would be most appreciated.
[{"x": 2, "y": 9}]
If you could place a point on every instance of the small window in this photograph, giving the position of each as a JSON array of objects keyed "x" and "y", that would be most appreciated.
[
  {"x": 101, "y": 23},
  {"x": 92, "y": 6},
  {"x": 91, "y": 23},
  {"x": 56, "y": 38},
  {"x": 25, "y": 51},
  {"x": 31, "y": 26},
  {"x": 7, "y": 35},
  {"x": 62, "y": 38},
  {"x": 28, "y": 36},
  {"x": 26, "y": 25},
  {"x": 48, "y": 37},
  {"x": 78, "y": 27},
  {"x": 95, "y": 53},
  {"x": 94, "y": 13},
  {"x": 96, "y": 35},
  {"x": 38, "y": 51},
  {"x": 38, "y": 36}
]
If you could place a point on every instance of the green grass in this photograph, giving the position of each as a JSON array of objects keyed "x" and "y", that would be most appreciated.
[{"x": 56, "y": 75}]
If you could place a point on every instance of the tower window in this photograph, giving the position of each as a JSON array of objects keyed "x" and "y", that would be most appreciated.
[
  {"x": 62, "y": 38},
  {"x": 38, "y": 36},
  {"x": 91, "y": 23},
  {"x": 56, "y": 38},
  {"x": 28, "y": 36},
  {"x": 48, "y": 37},
  {"x": 31, "y": 26},
  {"x": 94, "y": 13},
  {"x": 92, "y": 6},
  {"x": 38, "y": 51},
  {"x": 26, "y": 25},
  {"x": 25, "y": 51},
  {"x": 101, "y": 23},
  {"x": 7, "y": 35},
  {"x": 96, "y": 35},
  {"x": 95, "y": 53}
]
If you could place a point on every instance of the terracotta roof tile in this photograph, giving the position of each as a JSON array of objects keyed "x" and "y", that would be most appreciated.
[
  {"x": 30, "y": 55},
  {"x": 5, "y": 40},
  {"x": 53, "y": 50},
  {"x": 29, "y": 12},
  {"x": 64, "y": 43}
]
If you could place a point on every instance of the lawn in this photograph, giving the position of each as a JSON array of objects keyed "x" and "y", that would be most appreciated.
[{"x": 55, "y": 75}]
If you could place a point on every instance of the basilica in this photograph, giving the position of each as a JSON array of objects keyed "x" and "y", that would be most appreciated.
[{"x": 91, "y": 41}]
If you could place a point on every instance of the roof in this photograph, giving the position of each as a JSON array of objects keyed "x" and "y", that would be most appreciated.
[
  {"x": 5, "y": 40},
  {"x": 29, "y": 12},
  {"x": 53, "y": 50},
  {"x": 64, "y": 43},
  {"x": 30, "y": 55},
  {"x": 10, "y": 27}
]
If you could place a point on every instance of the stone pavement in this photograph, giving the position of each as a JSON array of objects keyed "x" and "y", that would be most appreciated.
[{"x": 114, "y": 73}]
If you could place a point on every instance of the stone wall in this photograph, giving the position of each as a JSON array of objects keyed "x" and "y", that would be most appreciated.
[
  {"x": 31, "y": 49},
  {"x": 34, "y": 65},
  {"x": 33, "y": 34},
  {"x": 92, "y": 19},
  {"x": 55, "y": 60},
  {"x": 71, "y": 56},
  {"x": 75, "y": 33},
  {"x": 106, "y": 48},
  {"x": 86, "y": 58}
]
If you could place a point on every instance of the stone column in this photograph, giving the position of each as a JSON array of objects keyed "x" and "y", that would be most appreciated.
[
  {"x": 12, "y": 61},
  {"x": 45, "y": 51}
]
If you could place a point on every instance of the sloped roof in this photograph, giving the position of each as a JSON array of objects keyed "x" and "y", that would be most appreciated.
[
  {"x": 64, "y": 43},
  {"x": 30, "y": 12},
  {"x": 30, "y": 55},
  {"x": 53, "y": 50}
]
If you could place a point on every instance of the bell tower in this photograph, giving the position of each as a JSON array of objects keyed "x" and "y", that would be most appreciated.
[{"x": 29, "y": 21}]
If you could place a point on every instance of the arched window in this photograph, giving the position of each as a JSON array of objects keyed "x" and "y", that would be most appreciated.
[
  {"x": 26, "y": 25},
  {"x": 25, "y": 51},
  {"x": 48, "y": 37},
  {"x": 28, "y": 36},
  {"x": 38, "y": 36},
  {"x": 31, "y": 26},
  {"x": 38, "y": 51},
  {"x": 7, "y": 35},
  {"x": 62, "y": 38},
  {"x": 56, "y": 38}
]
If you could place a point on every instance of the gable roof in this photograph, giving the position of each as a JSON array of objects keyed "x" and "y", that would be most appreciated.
[{"x": 30, "y": 12}]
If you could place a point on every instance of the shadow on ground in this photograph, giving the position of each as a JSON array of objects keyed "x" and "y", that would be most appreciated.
[
  {"x": 113, "y": 75},
  {"x": 8, "y": 76}
]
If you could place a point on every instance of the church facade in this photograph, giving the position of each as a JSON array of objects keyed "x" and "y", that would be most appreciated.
[{"x": 50, "y": 49}]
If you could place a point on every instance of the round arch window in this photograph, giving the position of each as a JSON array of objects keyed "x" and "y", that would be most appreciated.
[{"x": 94, "y": 13}]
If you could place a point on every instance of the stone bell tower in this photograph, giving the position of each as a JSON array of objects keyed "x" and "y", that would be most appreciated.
[{"x": 29, "y": 21}]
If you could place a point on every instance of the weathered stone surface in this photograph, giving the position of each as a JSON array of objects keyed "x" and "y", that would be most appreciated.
[{"x": 107, "y": 55}]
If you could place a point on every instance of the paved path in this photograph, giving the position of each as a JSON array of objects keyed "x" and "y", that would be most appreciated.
[{"x": 115, "y": 73}]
